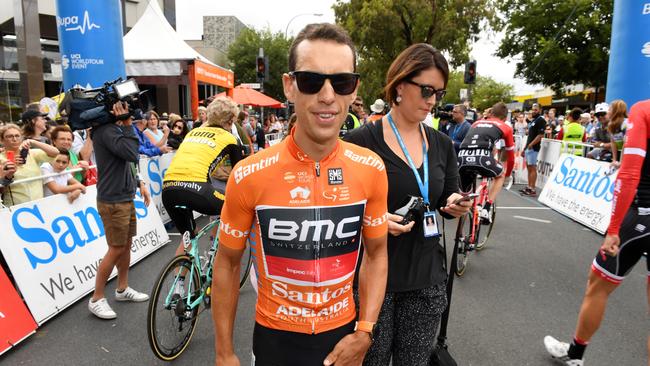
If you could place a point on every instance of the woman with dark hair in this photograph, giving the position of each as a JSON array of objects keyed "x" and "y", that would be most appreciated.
[
  {"x": 178, "y": 130},
  {"x": 616, "y": 128},
  {"x": 34, "y": 126},
  {"x": 420, "y": 162}
]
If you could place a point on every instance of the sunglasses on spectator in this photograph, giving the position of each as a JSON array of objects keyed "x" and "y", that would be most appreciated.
[
  {"x": 427, "y": 90},
  {"x": 358, "y": 104},
  {"x": 178, "y": 127},
  {"x": 312, "y": 82}
]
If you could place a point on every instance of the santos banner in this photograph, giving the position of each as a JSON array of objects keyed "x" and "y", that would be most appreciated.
[
  {"x": 152, "y": 170},
  {"x": 16, "y": 323},
  {"x": 53, "y": 248},
  {"x": 580, "y": 189}
]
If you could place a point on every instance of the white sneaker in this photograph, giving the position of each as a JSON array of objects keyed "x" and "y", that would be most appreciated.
[
  {"x": 130, "y": 294},
  {"x": 101, "y": 309},
  {"x": 559, "y": 350}
]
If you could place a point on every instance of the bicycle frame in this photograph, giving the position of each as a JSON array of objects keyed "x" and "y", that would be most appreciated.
[
  {"x": 195, "y": 258},
  {"x": 482, "y": 190}
]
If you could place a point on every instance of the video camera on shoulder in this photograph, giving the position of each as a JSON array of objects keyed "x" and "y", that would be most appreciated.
[
  {"x": 444, "y": 112},
  {"x": 88, "y": 108},
  {"x": 411, "y": 210}
]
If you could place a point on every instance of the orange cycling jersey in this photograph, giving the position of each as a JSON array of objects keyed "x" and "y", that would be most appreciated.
[{"x": 304, "y": 220}]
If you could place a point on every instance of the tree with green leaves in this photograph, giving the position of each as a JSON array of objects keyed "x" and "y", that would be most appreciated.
[
  {"x": 485, "y": 93},
  {"x": 242, "y": 56},
  {"x": 381, "y": 29},
  {"x": 558, "y": 42}
]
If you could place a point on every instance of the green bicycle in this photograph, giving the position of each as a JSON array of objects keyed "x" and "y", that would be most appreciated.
[{"x": 182, "y": 286}]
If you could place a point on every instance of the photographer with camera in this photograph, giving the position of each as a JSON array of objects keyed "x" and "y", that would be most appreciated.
[
  {"x": 28, "y": 155},
  {"x": 116, "y": 149}
]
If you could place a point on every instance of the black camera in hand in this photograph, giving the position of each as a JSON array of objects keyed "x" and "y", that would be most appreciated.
[
  {"x": 444, "y": 112},
  {"x": 412, "y": 209},
  {"x": 88, "y": 108}
]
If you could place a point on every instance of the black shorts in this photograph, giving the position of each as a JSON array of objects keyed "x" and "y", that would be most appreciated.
[
  {"x": 635, "y": 241},
  {"x": 272, "y": 347},
  {"x": 473, "y": 162},
  {"x": 193, "y": 196}
]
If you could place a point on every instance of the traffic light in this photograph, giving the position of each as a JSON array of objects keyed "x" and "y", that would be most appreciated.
[
  {"x": 470, "y": 72},
  {"x": 261, "y": 68}
]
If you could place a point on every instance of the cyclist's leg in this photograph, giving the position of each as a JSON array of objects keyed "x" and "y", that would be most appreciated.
[
  {"x": 172, "y": 198},
  {"x": 493, "y": 169}
]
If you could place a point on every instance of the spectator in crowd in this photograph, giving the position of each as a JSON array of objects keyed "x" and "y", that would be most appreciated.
[
  {"x": 260, "y": 137},
  {"x": 533, "y": 144},
  {"x": 355, "y": 116},
  {"x": 292, "y": 121},
  {"x": 458, "y": 126},
  {"x": 600, "y": 137},
  {"x": 178, "y": 131},
  {"x": 552, "y": 118},
  {"x": 7, "y": 171},
  {"x": 146, "y": 147},
  {"x": 64, "y": 183},
  {"x": 34, "y": 126},
  {"x": 248, "y": 127},
  {"x": 244, "y": 136},
  {"x": 377, "y": 109},
  {"x": 62, "y": 138},
  {"x": 164, "y": 117},
  {"x": 82, "y": 145},
  {"x": 520, "y": 125},
  {"x": 154, "y": 134},
  {"x": 587, "y": 122},
  {"x": 616, "y": 128},
  {"x": 28, "y": 155},
  {"x": 573, "y": 131},
  {"x": 116, "y": 147},
  {"x": 276, "y": 125},
  {"x": 203, "y": 117}
]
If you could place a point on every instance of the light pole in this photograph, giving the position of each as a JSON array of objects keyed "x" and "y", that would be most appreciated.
[{"x": 286, "y": 31}]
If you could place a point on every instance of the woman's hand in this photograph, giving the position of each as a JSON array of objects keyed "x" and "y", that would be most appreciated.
[
  {"x": 456, "y": 209},
  {"x": 394, "y": 226},
  {"x": 27, "y": 144}
]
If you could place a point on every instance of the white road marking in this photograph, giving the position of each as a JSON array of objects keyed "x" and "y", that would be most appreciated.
[
  {"x": 522, "y": 208},
  {"x": 532, "y": 219}
]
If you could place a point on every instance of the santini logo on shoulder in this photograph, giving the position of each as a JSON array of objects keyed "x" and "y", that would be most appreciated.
[{"x": 365, "y": 160}]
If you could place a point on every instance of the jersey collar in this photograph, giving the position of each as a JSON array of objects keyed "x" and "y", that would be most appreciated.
[{"x": 300, "y": 155}]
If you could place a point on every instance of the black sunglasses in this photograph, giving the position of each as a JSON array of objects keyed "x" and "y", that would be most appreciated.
[
  {"x": 427, "y": 90},
  {"x": 312, "y": 82}
]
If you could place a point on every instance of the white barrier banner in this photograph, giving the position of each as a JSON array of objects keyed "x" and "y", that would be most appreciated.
[
  {"x": 520, "y": 172},
  {"x": 579, "y": 189},
  {"x": 549, "y": 153},
  {"x": 53, "y": 248},
  {"x": 152, "y": 171}
]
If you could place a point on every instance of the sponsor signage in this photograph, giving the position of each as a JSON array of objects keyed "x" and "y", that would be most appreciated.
[
  {"x": 152, "y": 170},
  {"x": 90, "y": 36},
  {"x": 580, "y": 189},
  {"x": 53, "y": 248},
  {"x": 549, "y": 154},
  {"x": 16, "y": 323}
]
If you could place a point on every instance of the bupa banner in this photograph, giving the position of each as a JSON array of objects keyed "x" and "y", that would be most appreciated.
[
  {"x": 152, "y": 170},
  {"x": 16, "y": 323},
  {"x": 549, "y": 153},
  {"x": 628, "y": 76},
  {"x": 90, "y": 37},
  {"x": 53, "y": 248},
  {"x": 580, "y": 189}
]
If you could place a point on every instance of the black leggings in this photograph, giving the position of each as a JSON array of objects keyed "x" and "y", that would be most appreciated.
[{"x": 193, "y": 196}]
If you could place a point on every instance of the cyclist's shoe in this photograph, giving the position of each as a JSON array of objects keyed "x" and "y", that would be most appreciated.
[
  {"x": 485, "y": 215},
  {"x": 559, "y": 350},
  {"x": 101, "y": 309},
  {"x": 179, "y": 288},
  {"x": 130, "y": 294}
]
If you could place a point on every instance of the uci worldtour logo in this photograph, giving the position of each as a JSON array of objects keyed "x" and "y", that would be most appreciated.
[{"x": 72, "y": 23}]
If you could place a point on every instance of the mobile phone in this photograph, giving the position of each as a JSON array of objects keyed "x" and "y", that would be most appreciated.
[
  {"x": 467, "y": 197},
  {"x": 24, "y": 152},
  {"x": 11, "y": 156}
]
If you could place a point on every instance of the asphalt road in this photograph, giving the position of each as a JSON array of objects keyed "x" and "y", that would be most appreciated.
[{"x": 526, "y": 283}]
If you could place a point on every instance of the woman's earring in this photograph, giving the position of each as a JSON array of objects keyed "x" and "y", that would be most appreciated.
[{"x": 398, "y": 99}]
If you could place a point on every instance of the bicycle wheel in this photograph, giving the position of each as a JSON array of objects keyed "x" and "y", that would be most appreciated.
[
  {"x": 246, "y": 261},
  {"x": 484, "y": 233},
  {"x": 170, "y": 324},
  {"x": 462, "y": 254}
]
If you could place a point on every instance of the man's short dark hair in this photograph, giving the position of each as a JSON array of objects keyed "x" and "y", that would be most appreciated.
[
  {"x": 325, "y": 32},
  {"x": 575, "y": 114},
  {"x": 500, "y": 111}
]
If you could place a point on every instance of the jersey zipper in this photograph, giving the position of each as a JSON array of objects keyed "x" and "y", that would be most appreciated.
[{"x": 318, "y": 243}]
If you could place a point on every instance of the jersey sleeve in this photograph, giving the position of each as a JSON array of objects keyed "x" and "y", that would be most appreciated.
[
  {"x": 634, "y": 152},
  {"x": 375, "y": 222},
  {"x": 237, "y": 214},
  {"x": 510, "y": 147}
]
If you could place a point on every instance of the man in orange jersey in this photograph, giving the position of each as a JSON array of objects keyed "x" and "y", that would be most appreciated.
[{"x": 306, "y": 228}]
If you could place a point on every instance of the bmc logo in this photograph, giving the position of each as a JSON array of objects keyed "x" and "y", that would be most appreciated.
[
  {"x": 232, "y": 232},
  {"x": 290, "y": 230}
]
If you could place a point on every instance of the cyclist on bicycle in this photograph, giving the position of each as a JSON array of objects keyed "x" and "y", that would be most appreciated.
[
  {"x": 187, "y": 184},
  {"x": 307, "y": 204},
  {"x": 625, "y": 243},
  {"x": 477, "y": 154}
]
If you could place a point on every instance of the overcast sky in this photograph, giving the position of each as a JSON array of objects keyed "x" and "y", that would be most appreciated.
[{"x": 278, "y": 14}]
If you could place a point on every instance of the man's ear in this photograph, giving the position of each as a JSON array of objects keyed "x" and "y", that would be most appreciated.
[{"x": 289, "y": 87}]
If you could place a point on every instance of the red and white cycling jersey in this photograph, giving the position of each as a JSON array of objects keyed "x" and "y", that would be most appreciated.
[
  {"x": 482, "y": 138},
  {"x": 305, "y": 221},
  {"x": 633, "y": 179}
]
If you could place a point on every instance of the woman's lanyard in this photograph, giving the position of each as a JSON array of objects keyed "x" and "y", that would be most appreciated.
[{"x": 424, "y": 186}]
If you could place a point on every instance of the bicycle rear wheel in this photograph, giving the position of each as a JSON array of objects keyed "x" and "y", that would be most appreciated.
[
  {"x": 462, "y": 254},
  {"x": 170, "y": 323},
  {"x": 484, "y": 233},
  {"x": 245, "y": 267}
]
